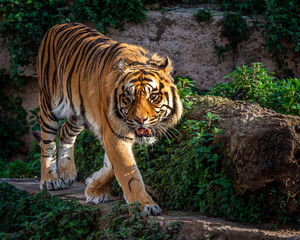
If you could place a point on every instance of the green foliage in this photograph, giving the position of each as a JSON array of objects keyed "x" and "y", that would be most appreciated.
[
  {"x": 178, "y": 167},
  {"x": 186, "y": 89},
  {"x": 258, "y": 85},
  {"x": 35, "y": 120},
  {"x": 202, "y": 16},
  {"x": 46, "y": 217},
  {"x": 108, "y": 13},
  {"x": 12, "y": 120},
  {"x": 89, "y": 154},
  {"x": 234, "y": 28},
  {"x": 23, "y": 25},
  {"x": 281, "y": 28},
  {"x": 20, "y": 168},
  {"x": 127, "y": 222},
  {"x": 244, "y": 6},
  {"x": 43, "y": 216}
]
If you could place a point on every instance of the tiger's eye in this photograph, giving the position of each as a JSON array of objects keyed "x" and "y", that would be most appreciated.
[{"x": 153, "y": 96}]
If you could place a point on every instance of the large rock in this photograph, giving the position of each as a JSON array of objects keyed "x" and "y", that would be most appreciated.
[{"x": 261, "y": 147}]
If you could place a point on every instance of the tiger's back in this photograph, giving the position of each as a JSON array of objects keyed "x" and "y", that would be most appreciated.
[
  {"x": 120, "y": 91},
  {"x": 67, "y": 65}
]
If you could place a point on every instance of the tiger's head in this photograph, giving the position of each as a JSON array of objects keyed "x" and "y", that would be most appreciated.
[{"x": 145, "y": 99}]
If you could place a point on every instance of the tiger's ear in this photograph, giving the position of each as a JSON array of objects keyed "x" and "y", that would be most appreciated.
[
  {"x": 166, "y": 66},
  {"x": 122, "y": 65}
]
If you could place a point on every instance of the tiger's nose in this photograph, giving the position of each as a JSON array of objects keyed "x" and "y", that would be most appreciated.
[{"x": 140, "y": 120}]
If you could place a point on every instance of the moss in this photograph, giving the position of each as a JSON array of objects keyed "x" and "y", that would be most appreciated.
[{"x": 203, "y": 104}]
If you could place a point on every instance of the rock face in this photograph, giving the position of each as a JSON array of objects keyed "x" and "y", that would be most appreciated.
[
  {"x": 261, "y": 147},
  {"x": 189, "y": 44}
]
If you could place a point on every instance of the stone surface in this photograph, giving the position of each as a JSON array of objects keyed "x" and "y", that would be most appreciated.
[
  {"x": 194, "y": 225},
  {"x": 189, "y": 44},
  {"x": 261, "y": 147}
]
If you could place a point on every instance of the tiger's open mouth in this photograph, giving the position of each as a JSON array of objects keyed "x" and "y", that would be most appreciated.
[{"x": 143, "y": 132}]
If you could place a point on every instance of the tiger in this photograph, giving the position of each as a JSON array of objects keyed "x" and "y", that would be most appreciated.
[{"x": 121, "y": 92}]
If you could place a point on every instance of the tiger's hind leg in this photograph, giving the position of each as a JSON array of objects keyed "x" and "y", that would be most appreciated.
[
  {"x": 98, "y": 184},
  {"x": 49, "y": 129},
  {"x": 66, "y": 164}
]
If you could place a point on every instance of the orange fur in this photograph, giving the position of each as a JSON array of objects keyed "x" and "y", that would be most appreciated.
[{"x": 121, "y": 92}]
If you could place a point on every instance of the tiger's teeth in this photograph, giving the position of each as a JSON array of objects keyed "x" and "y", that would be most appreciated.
[{"x": 143, "y": 132}]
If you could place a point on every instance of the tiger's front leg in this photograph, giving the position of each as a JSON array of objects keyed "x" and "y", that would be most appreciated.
[
  {"x": 127, "y": 173},
  {"x": 119, "y": 162},
  {"x": 66, "y": 164}
]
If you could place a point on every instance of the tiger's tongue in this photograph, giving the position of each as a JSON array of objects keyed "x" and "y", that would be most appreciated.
[{"x": 143, "y": 131}]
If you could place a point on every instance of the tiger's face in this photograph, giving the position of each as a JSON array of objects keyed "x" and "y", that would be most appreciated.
[{"x": 147, "y": 101}]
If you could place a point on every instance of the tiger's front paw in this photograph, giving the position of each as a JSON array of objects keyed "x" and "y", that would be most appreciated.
[
  {"x": 151, "y": 209},
  {"x": 96, "y": 195},
  {"x": 68, "y": 177},
  {"x": 51, "y": 181},
  {"x": 52, "y": 184}
]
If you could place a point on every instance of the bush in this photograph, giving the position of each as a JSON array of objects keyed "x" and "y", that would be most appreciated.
[
  {"x": 108, "y": 13},
  {"x": 46, "y": 217},
  {"x": 43, "y": 216},
  {"x": 203, "y": 15},
  {"x": 89, "y": 154},
  {"x": 245, "y": 6},
  {"x": 234, "y": 28},
  {"x": 281, "y": 28},
  {"x": 13, "y": 122},
  {"x": 256, "y": 84},
  {"x": 23, "y": 26}
]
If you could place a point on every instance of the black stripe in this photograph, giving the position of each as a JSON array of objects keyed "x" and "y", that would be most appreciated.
[
  {"x": 47, "y": 141},
  {"x": 152, "y": 74},
  {"x": 83, "y": 55},
  {"x": 69, "y": 89},
  {"x": 147, "y": 80},
  {"x": 129, "y": 182},
  {"x": 118, "y": 114},
  {"x": 175, "y": 104},
  {"x": 72, "y": 52},
  {"x": 87, "y": 70},
  {"x": 82, "y": 107},
  {"x": 69, "y": 133},
  {"x": 50, "y": 132},
  {"x": 110, "y": 54},
  {"x": 167, "y": 97},
  {"x": 161, "y": 86},
  {"x": 167, "y": 106},
  {"x": 73, "y": 127},
  {"x": 46, "y": 73},
  {"x": 48, "y": 126},
  {"x": 117, "y": 135},
  {"x": 64, "y": 36}
]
